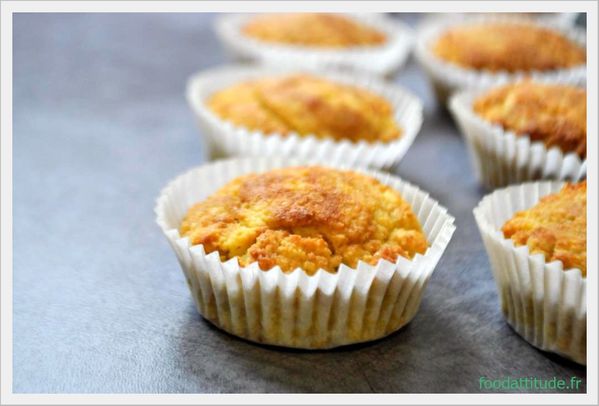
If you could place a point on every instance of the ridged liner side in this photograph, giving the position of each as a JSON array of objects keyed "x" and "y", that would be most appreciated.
[{"x": 543, "y": 303}]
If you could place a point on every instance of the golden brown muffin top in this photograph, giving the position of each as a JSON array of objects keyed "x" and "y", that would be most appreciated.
[
  {"x": 553, "y": 114},
  {"x": 307, "y": 104},
  {"x": 309, "y": 217},
  {"x": 508, "y": 46},
  {"x": 312, "y": 29},
  {"x": 555, "y": 227}
]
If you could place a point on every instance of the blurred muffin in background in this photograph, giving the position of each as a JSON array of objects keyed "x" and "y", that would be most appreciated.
[
  {"x": 371, "y": 43},
  {"x": 325, "y": 115},
  {"x": 525, "y": 130},
  {"x": 313, "y": 29},
  {"x": 508, "y": 46},
  {"x": 551, "y": 113},
  {"x": 307, "y": 105},
  {"x": 483, "y": 51}
]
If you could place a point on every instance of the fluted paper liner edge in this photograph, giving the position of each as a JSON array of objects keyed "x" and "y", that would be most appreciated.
[{"x": 501, "y": 157}]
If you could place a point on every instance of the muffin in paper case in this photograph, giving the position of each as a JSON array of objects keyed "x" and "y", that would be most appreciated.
[
  {"x": 381, "y": 60},
  {"x": 226, "y": 139},
  {"x": 448, "y": 78},
  {"x": 294, "y": 309},
  {"x": 541, "y": 301},
  {"x": 500, "y": 157}
]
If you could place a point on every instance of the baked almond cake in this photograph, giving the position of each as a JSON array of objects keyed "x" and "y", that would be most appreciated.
[
  {"x": 555, "y": 227},
  {"x": 553, "y": 114},
  {"x": 307, "y": 217},
  {"x": 508, "y": 46},
  {"x": 313, "y": 29},
  {"x": 306, "y": 104}
]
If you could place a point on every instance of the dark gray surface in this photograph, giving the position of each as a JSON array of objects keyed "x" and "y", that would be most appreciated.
[{"x": 100, "y": 304}]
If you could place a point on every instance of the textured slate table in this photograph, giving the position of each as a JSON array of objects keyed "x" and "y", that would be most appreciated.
[{"x": 100, "y": 304}]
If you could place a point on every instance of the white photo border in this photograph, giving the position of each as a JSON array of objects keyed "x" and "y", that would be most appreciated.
[{"x": 8, "y": 8}]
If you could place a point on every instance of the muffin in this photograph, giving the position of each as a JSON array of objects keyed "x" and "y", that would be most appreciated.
[
  {"x": 525, "y": 130},
  {"x": 307, "y": 105},
  {"x": 305, "y": 217},
  {"x": 302, "y": 256},
  {"x": 326, "y": 115},
  {"x": 508, "y": 46},
  {"x": 553, "y": 114},
  {"x": 363, "y": 43},
  {"x": 483, "y": 51},
  {"x": 535, "y": 235},
  {"x": 312, "y": 30}
]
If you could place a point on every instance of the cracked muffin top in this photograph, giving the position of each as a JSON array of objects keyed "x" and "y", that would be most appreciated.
[
  {"x": 508, "y": 46},
  {"x": 553, "y": 114},
  {"x": 312, "y": 29},
  {"x": 309, "y": 217},
  {"x": 555, "y": 227},
  {"x": 306, "y": 104}
]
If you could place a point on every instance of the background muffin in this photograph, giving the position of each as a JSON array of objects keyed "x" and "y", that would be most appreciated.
[
  {"x": 535, "y": 236},
  {"x": 551, "y": 113},
  {"x": 307, "y": 104},
  {"x": 476, "y": 52},
  {"x": 508, "y": 46},
  {"x": 313, "y": 29},
  {"x": 361, "y": 42},
  {"x": 522, "y": 131},
  {"x": 332, "y": 116}
]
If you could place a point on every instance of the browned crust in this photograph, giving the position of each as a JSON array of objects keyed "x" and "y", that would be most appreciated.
[
  {"x": 306, "y": 104},
  {"x": 555, "y": 227},
  {"x": 508, "y": 46},
  {"x": 307, "y": 217},
  {"x": 312, "y": 29},
  {"x": 552, "y": 114}
]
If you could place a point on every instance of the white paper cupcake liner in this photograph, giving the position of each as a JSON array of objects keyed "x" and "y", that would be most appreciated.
[
  {"x": 566, "y": 20},
  {"x": 381, "y": 60},
  {"x": 293, "y": 309},
  {"x": 448, "y": 78},
  {"x": 543, "y": 303},
  {"x": 226, "y": 139},
  {"x": 501, "y": 157}
]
